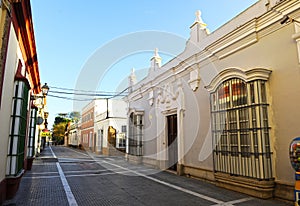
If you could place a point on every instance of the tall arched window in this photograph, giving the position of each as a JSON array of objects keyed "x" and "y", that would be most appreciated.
[{"x": 241, "y": 142}]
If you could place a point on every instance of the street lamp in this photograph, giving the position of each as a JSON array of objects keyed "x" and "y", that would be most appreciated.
[{"x": 45, "y": 89}]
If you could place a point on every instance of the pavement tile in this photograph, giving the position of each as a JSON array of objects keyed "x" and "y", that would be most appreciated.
[{"x": 97, "y": 180}]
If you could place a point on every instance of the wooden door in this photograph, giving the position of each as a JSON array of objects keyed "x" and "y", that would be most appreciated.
[{"x": 172, "y": 142}]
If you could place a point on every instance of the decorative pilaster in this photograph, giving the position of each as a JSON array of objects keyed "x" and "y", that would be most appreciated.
[{"x": 296, "y": 37}]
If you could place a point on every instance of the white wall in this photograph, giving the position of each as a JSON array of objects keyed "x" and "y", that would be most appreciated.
[
  {"x": 117, "y": 108},
  {"x": 117, "y": 117},
  {"x": 13, "y": 54}
]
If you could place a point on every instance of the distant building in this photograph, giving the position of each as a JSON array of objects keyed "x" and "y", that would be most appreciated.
[
  {"x": 110, "y": 126},
  {"x": 103, "y": 126},
  {"x": 87, "y": 126},
  {"x": 73, "y": 134},
  {"x": 19, "y": 79},
  {"x": 227, "y": 107}
]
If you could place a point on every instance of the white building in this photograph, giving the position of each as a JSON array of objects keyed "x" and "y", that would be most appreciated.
[
  {"x": 103, "y": 126},
  {"x": 110, "y": 126},
  {"x": 227, "y": 107},
  {"x": 73, "y": 134}
]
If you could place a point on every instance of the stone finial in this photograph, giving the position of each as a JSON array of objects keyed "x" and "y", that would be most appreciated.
[
  {"x": 132, "y": 71},
  {"x": 132, "y": 78},
  {"x": 156, "y": 52},
  {"x": 155, "y": 60},
  {"x": 198, "y": 16},
  {"x": 198, "y": 29},
  {"x": 199, "y": 20}
]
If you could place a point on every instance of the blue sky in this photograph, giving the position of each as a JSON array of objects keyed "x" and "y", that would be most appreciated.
[{"x": 69, "y": 32}]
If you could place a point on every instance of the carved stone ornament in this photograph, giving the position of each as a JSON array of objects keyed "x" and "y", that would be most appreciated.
[
  {"x": 170, "y": 99},
  {"x": 151, "y": 98},
  {"x": 194, "y": 79}
]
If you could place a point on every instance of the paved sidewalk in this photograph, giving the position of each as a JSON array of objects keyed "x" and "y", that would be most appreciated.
[
  {"x": 40, "y": 191},
  {"x": 81, "y": 178}
]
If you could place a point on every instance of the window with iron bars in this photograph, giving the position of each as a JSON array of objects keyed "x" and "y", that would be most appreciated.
[
  {"x": 136, "y": 134},
  {"x": 241, "y": 141}
]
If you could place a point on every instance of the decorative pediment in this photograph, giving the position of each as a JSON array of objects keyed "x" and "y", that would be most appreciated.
[
  {"x": 168, "y": 99},
  {"x": 165, "y": 94}
]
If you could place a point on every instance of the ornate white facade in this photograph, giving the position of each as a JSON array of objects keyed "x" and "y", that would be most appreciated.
[{"x": 230, "y": 99}]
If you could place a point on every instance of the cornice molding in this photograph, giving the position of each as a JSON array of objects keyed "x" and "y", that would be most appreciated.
[
  {"x": 246, "y": 75},
  {"x": 234, "y": 41},
  {"x": 224, "y": 42},
  {"x": 135, "y": 111},
  {"x": 22, "y": 23}
]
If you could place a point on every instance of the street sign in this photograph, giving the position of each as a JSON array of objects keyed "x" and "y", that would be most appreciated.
[{"x": 46, "y": 134}]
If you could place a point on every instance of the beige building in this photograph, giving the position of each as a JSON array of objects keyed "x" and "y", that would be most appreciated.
[
  {"x": 103, "y": 126},
  {"x": 227, "y": 107}
]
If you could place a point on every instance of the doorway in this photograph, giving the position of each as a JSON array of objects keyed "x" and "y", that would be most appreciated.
[
  {"x": 172, "y": 142},
  {"x": 100, "y": 140}
]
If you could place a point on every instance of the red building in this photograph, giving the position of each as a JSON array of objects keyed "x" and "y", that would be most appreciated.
[{"x": 87, "y": 126}]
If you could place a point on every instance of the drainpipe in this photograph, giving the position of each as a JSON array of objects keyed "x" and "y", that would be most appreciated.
[{"x": 107, "y": 114}]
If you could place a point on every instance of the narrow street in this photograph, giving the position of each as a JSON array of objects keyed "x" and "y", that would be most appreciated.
[{"x": 66, "y": 176}]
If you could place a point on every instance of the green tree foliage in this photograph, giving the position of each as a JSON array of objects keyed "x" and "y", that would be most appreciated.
[
  {"x": 59, "y": 132},
  {"x": 60, "y": 125},
  {"x": 59, "y": 119},
  {"x": 59, "y": 128},
  {"x": 75, "y": 116}
]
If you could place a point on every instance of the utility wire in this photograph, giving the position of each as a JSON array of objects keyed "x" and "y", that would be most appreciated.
[
  {"x": 95, "y": 94},
  {"x": 78, "y": 90},
  {"x": 120, "y": 93},
  {"x": 85, "y": 94},
  {"x": 68, "y": 98}
]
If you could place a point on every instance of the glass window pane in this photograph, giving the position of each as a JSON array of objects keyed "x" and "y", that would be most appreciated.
[{"x": 263, "y": 92}]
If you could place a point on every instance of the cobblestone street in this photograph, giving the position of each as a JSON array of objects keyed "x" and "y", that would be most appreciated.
[{"x": 65, "y": 176}]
